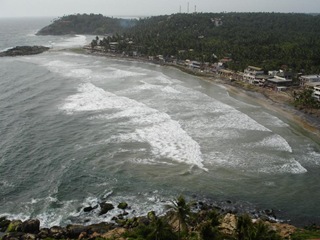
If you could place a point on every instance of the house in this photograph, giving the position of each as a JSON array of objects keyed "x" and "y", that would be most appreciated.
[
  {"x": 309, "y": 79},
  {"x": 278, "y": 83},
  {"x": 251, "y": 72},
  {"x": 195, "y": 64},
  {"x": 217, "y": 22}
]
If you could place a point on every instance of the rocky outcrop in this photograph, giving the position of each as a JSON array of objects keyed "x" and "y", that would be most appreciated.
[
  {"x": 105, "y": 207},
  {"x": 23, "y": 50}
]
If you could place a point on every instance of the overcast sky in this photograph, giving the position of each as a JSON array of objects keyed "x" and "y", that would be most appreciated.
[{"x": 55, "y": 8}]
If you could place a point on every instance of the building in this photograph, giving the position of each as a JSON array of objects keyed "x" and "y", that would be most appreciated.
[
  {"x": 309, "y": 79},
  {"x": 251, "y": 72},
  {"x": 278, "y": 83},
  {"x": 315, "y": 86}
]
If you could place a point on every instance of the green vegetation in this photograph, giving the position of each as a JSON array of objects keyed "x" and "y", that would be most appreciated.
[
  {"x": 303, "y": 99},
  {"x": 86, "y": 24},
  {"x": 268, "y": 40},
  {"x": 311, "y": 232}
]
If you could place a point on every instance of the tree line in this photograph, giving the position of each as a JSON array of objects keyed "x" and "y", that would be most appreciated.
[{"x": 268, "y": 40}]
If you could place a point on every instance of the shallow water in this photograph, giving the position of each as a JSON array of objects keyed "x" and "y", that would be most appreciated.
[{"x": 78, "y": 129}]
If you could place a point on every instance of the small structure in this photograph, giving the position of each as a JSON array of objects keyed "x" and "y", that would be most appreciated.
[
  {"x": 217, "y": 22},
  {"x": 195, "y": 64},
  {"x": 309, "y": 79}
]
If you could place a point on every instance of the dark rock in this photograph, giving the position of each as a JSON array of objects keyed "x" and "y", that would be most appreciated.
[
  {"x": 57, "y": 232},
  {"x": 100, "y": 228},
  {"x": 12, "y": 236},
  {"x": 270, "y": 213},
  {"x": 89, "y": 209},
  {"x": 31, "y": 226},
  {"x": 14, "y": 226},
  {"x": 122, "y": 205},
  {"x": 105, "y": 207},
  {"x": 4, "y": 223},
  {"x": 73, "y": 231},
  {"x": 44, "y": 233},
  {"x": 29, "y": 236},
  {"x": 23, "y": 50}
]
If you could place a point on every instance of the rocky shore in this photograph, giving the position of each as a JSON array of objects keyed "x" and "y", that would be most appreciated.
[
  {"x": 23, "y": 50},
  {"x": 200, "y": 220}
]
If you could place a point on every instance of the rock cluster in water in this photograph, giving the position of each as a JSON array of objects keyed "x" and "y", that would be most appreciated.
[{"x": 23, "y": 50}]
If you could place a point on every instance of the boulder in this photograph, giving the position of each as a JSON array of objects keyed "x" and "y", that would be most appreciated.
[
  {"x": 123, "y": 205},
  {"x": 44, "y": 233},
  {"x": 12, "y": 236},
  {"x": 31, "y": 226},
  {"x": 74, "y": 231},
  {"x": 14, "y": 226},
  {"x": 229, "y": 224},
  {"x": 100, "y": 228},
  {"x": 89, "y": 209},
  {"x": 284, "y": 230},
  {"x": 105, "y": 207},
  {"x": 57, "y": 232},
  {"x": 114, "y": 234},
  {"x": 4, "y": 223}
]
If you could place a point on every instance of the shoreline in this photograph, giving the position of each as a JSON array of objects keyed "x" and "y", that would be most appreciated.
[{"x": 277, "y": 102}]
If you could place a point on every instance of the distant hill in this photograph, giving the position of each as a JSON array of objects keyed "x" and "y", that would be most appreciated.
[{"x": 95, "y": 24}]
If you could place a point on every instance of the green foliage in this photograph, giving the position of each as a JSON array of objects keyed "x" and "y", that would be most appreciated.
[
  {"x": 304, "y": 99},
  {"x": 246, "y": 230},
  {"x": 269, "y": 40},
  {"x": 87, "y": 24},
  {"x": 157, "y": 230},
  {"x": 182, "y": 211},
  {"x": 311, "y": 232}
]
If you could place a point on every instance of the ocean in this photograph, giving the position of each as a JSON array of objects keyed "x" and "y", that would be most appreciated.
[{"x": 77, "y": 130}]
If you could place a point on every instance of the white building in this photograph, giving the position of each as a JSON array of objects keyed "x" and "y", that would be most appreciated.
[
  {"x": 315, "y": 86},
  {"x": 250, "y": 73},
  {"x": 309, "y": 79}
]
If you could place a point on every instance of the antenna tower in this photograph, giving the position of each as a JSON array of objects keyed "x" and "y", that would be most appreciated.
[{"x": 188, "y": 7}]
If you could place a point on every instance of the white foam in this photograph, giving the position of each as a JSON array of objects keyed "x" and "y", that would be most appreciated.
[
  {"x": 275, "y": 141},
  {"x": 6, "y": 184},
  {"x": 292, "y": 167},
  {"x": 76, "y": 41},
  {"x": 238, "y": 120},
  {"x": 165, "y": 136}
]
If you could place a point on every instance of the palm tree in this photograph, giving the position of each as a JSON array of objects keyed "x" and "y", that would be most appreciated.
[
  {"x": 162, "y": 230},
  {"x": 182, "y": 211}
]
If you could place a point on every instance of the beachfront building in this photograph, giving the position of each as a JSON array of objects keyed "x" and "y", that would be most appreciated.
[
  {"x": 251, "y": 72},
  {"x": 315, "y": 86},
  {"x": 279, "y": 80},
  {"x": 309, "y": 79}
]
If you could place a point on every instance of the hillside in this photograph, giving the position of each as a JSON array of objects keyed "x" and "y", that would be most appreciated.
[
  {"x": 268, "y": 40},
  {"x": 86, "y": 24}
]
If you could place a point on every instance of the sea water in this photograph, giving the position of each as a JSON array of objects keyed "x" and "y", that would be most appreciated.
[{"x": 79, "y": 129}]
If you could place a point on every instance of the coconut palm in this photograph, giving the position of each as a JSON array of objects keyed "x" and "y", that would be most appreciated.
[{"x": 182, "y": 212}]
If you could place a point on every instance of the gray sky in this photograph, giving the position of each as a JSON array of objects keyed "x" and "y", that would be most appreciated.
[{"x": 54, "y": 8}]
